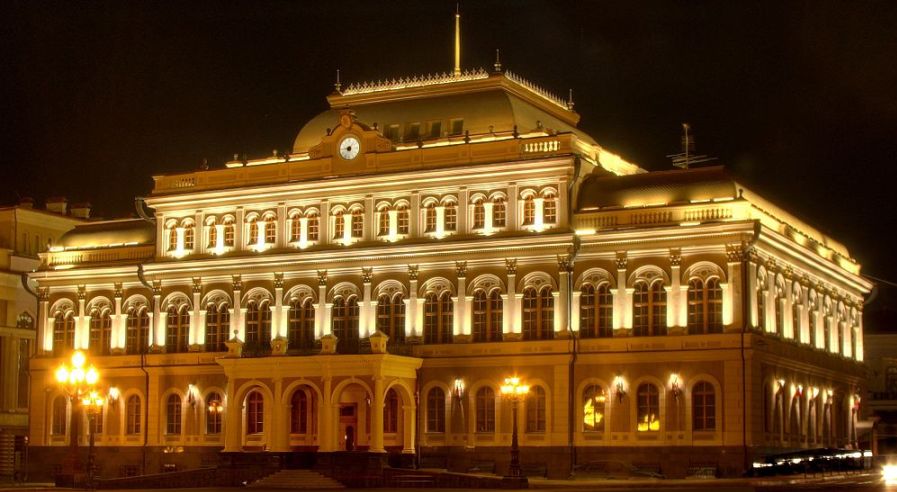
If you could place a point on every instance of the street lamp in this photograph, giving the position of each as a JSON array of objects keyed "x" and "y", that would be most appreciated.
[
  {"x": 77, "y": 382},
  {"x": 513, "y": 390},
  {"x": 93, "y": 403}
]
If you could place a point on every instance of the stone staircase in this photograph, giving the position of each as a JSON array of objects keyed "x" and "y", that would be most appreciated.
[{"x": 297, "y": 479}]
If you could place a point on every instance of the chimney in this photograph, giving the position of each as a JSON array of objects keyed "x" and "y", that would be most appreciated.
[
  {"x": 81, "y": 210},
  {"x": 57, "y": 204},
  {"x": 26, "y": 202}
]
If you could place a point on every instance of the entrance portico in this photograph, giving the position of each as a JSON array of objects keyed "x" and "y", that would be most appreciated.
[{"x": 322, "y": 403}]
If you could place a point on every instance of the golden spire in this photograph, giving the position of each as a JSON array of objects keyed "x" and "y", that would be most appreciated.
[{"x": 457, "y": 71}]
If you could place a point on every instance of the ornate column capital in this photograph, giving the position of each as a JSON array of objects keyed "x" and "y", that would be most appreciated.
[
  {"x": 157, "y": 287},
  {"x": 511, "y": 265},
  {"x": 237, "y": 282},
  {"x": 675, "y": 257},
  {"x": 117, "y": 290},
  {"x": 197, "y": 285},
  {"x": 278, "y": 280},
  {"x": 43, "y": 293},
  {"x": 367, "y": 274},
  {"x": 565, "y": 263},
  {"x": 322, "y": 278},
  {"x": 82, "y": 292},
  {"x": 621, "y": 260},
  {"x": 413, "y": 272},
  {"x": 461, "y": 269}
]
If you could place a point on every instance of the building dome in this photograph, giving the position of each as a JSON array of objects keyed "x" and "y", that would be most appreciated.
[{"x": 109, "y": 233}]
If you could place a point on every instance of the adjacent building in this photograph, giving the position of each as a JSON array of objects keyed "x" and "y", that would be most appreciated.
[{"x": 370, "y": 289}]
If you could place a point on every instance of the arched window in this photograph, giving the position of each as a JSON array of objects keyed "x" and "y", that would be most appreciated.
[
  {"x": 217, "y": 327},
  {"x": 132, "y": 415},
  {"x": 705, "y": 306},
  {"x": 391, "y": 317},
  {"x": 313, "y": 226},
  {"x": 59, "y": 416},
  {"x": 479, "y": 214},
  {"x": 357, "y": 224},
  {"x": 345, "y": 324},
  {"x": 255, "y": 413},
  {"x": 100, "y": 332},
  {"x": 649, "y": 309},
  {"x": 487, "y": 316},
  {"x": 796, "y": 311},
  {"x": 529, "y": 211},
  {"x": 430, "y": 218},
  {"x": 761, "y": 299},
  {"x": 299, "y": 412},
  {"x": 213, "y": 413},
  {"x": 596, "y": 311},
  {"x": 535, "y": 410},
  {"x": 780, "y": 306},
  {"x": 172, "y": 238},
  {"x": 593, "y": 408},
  {"x": 229, "y": 232},
  {"x": 253, "y": 236},
  {"x": 391, "y": 412},
  {"x": 703, "y": 407},
  {"x": 538, "y": 314},
  {"x": 213, "y": 235},
  {"x": 258, "y": 325},
  {"x": 450, "y": 214},
  {"x": 403, "y": 222},
  {"x": 63, "y": 333},
  {"x": 136, "y": 331},
  {"x": 295, "y": 227},
  {"x": 301, "y": 324},
  {"x": 270, "y": 230},
  {"x": 383, "y": 222},
  {"x": 499, "y": 212},
  {"x": 485, "y": 410},
  {"x": 436, "y": 410},
  {"x": 438, "y": 318},
  {"x": 189, "y": 236},
  {"x": 173, "y": 414},
  {"x": 177, "y": 329},
  {"x": 339, "y": 225},
  {"x": 549, "y": 209},
  {"x": 647, "y": 408}
]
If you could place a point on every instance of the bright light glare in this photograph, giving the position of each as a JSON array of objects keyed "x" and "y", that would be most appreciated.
[{"x": 889, "y": 474}]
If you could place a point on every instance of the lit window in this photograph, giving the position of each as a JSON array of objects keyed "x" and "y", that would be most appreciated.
[
  {"x": 529, "y": 211},
  {"x": 550, "y": 209},
  {"x": 301, "y": 324},
  {"x": 228, "y": 232},
  {"x": 438, "y": 318},
  {"x": 132, "y": 415},
  {"x": 339, "y": 225},
  {"x": 648, "y": 408},
  {"x": 188, "y": 236},
  {"x": 383, "y": 222},
  {"x": 705, "y": 306},
  {"x": 357, "y": 224},
  {"x": 213, "y": 235},
  {"x": 313, "y": 226},
  {"x": 213, "y": 415},
  {"x": 649, "y": 309},
  {"x": 295, "y": 228},
  {"x": 450, "y": 214},
  {"x": 403, "y": 225},
  {"x": 430, "y": 218},
  {"x": 270, "y": 230},
  {"x": 479, "y": 214},
  {"x": 593, "y": 400},
  {"x": 487, "y": 316},
  {"x": 499, "y": 213},
  {"x": 253, "y": 232},
  {"x": 538, "y": 314}
]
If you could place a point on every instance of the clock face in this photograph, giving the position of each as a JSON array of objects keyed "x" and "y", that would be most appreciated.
[{"x": 349, "y": 148}]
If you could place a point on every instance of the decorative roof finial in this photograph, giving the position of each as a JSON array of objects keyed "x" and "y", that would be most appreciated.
[
  {"x": 337, "y": 85},
  {"x": 570, "y": 102},
  {"x": 457, "y": 70},
  {"x": 496, "y": 67}
]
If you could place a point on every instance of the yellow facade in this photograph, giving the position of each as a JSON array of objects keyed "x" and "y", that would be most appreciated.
[{"x": 423, "y": 240}]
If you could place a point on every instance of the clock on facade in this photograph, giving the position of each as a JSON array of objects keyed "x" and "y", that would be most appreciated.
[{"x": 349, "y": 147}]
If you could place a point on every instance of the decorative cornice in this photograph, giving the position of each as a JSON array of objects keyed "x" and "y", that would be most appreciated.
[{"x": 416, "y": 81}]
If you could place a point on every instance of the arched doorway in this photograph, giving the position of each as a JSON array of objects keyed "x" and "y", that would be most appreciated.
[
  {"x": 353, "y": 410},
  {"x": 302, "y": 411}
]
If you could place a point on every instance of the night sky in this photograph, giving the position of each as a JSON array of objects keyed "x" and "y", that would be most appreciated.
[{"x": 798, "y": 99}]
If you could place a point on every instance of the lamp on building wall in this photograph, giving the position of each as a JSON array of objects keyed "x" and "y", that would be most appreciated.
[
  {"x": 458, "y": 389},
  {"x": 514, "y": 390},
  {"x": 77, "y": 382},
  {"x": 620, "y": 389},
  {"x": 675, "y": 388},
  {"x": 191, "y": 394},
  {"x": 113, "y": 396}
]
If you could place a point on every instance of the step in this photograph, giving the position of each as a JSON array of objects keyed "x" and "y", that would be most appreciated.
[{"x": 297, "y": 479}]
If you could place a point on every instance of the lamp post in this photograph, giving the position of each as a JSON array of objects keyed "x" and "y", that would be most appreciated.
[
  {"x": 93, "y": 403},
  {"x": 513, "y": 390},
  {"x": 77, "y": 382}
]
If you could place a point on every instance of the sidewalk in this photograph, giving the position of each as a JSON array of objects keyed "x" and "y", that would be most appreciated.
[{"x": 611, "y": 483}]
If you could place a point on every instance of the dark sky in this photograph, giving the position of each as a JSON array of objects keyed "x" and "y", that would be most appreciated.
[{"x": 798, "y": 98}]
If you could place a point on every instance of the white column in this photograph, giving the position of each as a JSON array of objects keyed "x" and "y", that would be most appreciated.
[
  {"x": 752, "y": 295},
  {"x": 511, "y": 222},
  {"x": 236, "y": 312},
  {"x": 412, "y": 327},
  {"x": 574, "y": 310},
  {"x": 44, "y": 322},
  {"x": 82, "y": 322},
  {"x": 440, "y": 221},
  {"x": 788, "y": 327},
  {"x": 322, "y": 310},
  {"x": 560, "y": 307},
  {"x": 278, "y": 311},
  {"x": 487, "y": 216},
  {"x": 463, "y": 208},
  {"x": 118, "y": 335},
  {"x": 365, "y": 325},
  {"x": 158, "y": 331},
  {"x": 460, "y": 315},
  {"x": 370, "y": 228},
  {"x": 283, "y": 235},
  {"x": 859, "y": 344},
  {"x": 324, "y": 224},
  {"x": 239, "y": 225},
  {"x": 805, "y": 335},
  {"x": 376, "y": 445},
  {"x": 512, "y": 313},
  {"x": 199, "y": 233},
  {"x": 562, "y": 200},
  {"x": 196, "y": 336}
]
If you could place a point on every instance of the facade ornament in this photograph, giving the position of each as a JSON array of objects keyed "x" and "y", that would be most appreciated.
[
  {"x": 278, "y": 280},
  {"x": 82, "y": 292},
  {"x": 511, "y": 265},
  {"x": 367, "y": 274},
  {"x": 622, "y": 261},
  {"x": 157, "y": 287},
  {"x": 238, "y": 282},
  {"x": 565, "y": 263},
  {"x": 197, "y": 285},
  {"x": 322, "y": 277},
  {"x": 117, "y": 290},
  {"x": 413, "y": 271},
  {"x": 675, "y": 257},
  {"x": 788, "y": 272},
  {"x": 461, "y": 269},
  {"x": 735, "y": 252},
  {"x": 44, "y": 293},
  {"x": 496, "y": 67}
]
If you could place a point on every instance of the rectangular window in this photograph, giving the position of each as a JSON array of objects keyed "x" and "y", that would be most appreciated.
[
  {"x": 392, "y": 132},
  {"x": 457, "y": 126},
  {"x": 412, "y": 132},
  {"x": 435, "y": 129}
]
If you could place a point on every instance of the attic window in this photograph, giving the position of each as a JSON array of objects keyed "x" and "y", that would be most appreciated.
[
  {"x": 457, "y": 126},
  {"x": 392, "y": 132},
  {"x": 435, "y": 129},
  {"x": 412, "y": 132}
]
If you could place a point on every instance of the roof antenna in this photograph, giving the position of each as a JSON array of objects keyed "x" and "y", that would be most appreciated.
[
  {"x": 457, "y": 70},
  {"x": 496, "y": 67},
  {"x": 687, "y": 157},
  {"x": 337, "y": 85},
  {"x": 570, "y": 102}
]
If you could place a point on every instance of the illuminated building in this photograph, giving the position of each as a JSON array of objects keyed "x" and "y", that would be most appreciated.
[
  {"x": 24, "y": 232},
  {"x": 423, "y": 239}
]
